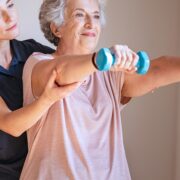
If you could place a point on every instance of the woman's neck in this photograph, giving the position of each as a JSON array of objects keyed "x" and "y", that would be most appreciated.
[
  {"x": 64, "y": 50},
  {"x": 5, "y": 54}
]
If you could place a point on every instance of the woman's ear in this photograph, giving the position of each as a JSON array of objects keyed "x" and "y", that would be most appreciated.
[{"x": 55, "y": 30}]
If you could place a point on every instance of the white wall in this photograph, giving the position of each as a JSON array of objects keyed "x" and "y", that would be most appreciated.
[
  {"x": 149, "y": 122},
  {"x": 29, "y": 22}
]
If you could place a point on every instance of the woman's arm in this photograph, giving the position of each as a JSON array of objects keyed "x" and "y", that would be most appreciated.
[
  {"x": 69, "y": 69},
  {"x": 18, "y": 121},
  {"x": 75, "y": 68},
  {"x": 163, "y": 71}
]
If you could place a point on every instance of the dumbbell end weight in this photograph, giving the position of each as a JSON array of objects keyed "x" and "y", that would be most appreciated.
[{"x": 143, "y": 62}]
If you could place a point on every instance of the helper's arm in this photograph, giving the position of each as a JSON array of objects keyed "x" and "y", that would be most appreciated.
[{"x": 18, "y": 121}]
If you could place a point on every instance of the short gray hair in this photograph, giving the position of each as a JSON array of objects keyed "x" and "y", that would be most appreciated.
[{"x": 52, "y": 11}]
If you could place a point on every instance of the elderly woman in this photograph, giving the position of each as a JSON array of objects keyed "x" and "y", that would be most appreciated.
[{"x": 80, "y": 136}]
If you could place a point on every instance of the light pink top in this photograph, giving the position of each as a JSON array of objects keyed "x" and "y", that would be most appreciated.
[{"x": 80, "y": 137}]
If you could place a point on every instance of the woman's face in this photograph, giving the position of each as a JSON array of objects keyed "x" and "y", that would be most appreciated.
[
  {"x": 8, "y": 20},
  {"x": 81, "y": 29}
]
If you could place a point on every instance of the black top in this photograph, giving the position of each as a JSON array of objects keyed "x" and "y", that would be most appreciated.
[{"x": 13, "y": 150}]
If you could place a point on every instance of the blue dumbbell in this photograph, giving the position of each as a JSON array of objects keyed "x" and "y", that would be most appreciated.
[{"x": 104, "y": 61}]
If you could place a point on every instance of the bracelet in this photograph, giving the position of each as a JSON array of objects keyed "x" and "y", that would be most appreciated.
[{"x": 93, "y": 60}]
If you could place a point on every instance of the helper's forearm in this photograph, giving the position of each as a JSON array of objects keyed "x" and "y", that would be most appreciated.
[
  {"x": 74, "y": 68},
  {"x": 18, "y": 121}
]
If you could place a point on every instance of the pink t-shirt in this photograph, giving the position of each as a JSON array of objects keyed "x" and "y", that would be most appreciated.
[{"x": 80, "y": 137}]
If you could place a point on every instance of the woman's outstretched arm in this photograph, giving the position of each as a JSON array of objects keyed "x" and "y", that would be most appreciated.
[{"x": 163, "y": 71}]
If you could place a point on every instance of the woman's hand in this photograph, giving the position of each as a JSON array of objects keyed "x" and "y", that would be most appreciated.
[
  {"x": 125, "y": 59},
  {"x": 53, "y": 92}
]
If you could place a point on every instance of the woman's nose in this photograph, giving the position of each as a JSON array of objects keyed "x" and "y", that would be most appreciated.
[
  {"x": 89, "y": 22},
  {"x": 6, "y": 17}
]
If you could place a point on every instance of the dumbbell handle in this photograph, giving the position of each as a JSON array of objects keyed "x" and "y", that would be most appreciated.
[{"x": 105, "y": 59}]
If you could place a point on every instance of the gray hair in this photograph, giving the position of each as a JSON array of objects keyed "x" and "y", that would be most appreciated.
[{"x": 52, "y": 11}]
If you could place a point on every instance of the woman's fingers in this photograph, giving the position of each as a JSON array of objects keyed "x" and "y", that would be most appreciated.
[{"x": 125, "y": 58}]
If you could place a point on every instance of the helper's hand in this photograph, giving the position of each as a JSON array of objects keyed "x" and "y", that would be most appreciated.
[
  {"x": 125, "y": 59},
  {"x": 53, "y": 92}
]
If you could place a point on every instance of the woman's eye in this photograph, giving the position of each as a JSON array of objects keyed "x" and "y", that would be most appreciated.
[
  {"x": 10, "y": 5},
  {"x": 97, "y": 16},
  {"x": 79, "y": 15}
]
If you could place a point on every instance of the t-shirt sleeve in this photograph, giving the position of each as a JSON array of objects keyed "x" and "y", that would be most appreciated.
[
  {"x": 27, "y": 86},
  {"x": 27, "y": 89},
  {"x": 27, "y": 74}
]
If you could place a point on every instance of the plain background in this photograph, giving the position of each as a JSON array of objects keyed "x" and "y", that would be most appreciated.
[{"x": 151, "y": 124}]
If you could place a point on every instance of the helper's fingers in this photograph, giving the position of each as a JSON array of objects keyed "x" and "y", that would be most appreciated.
[
  {"x": 65, "y": 90},
  {"x": 52, "y": 78}
]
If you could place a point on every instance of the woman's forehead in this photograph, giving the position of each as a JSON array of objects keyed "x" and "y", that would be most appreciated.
[{"x": 86, "y": 5}]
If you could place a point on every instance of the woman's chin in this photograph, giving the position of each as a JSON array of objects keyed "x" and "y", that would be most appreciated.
[
  {"x": 89, "y": 48},
  {"x": 14, "y": 35}
]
